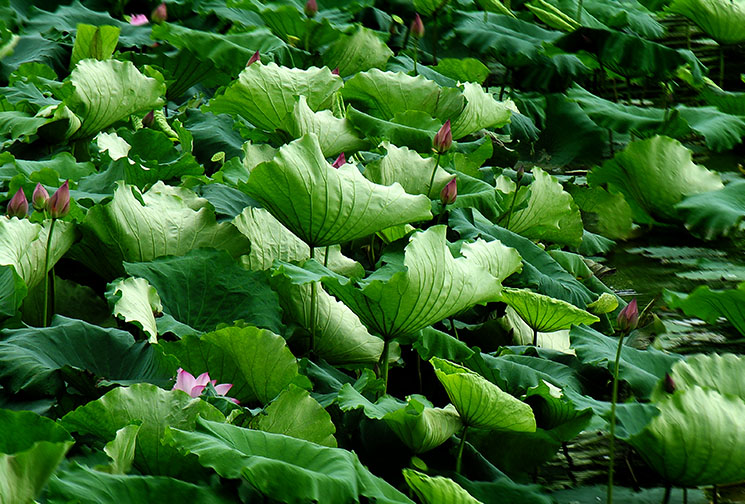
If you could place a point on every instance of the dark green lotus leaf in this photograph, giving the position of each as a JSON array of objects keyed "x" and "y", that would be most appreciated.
[
  {"x": 709, "y": 304},
  {"x": 422, "y": 427},
  {"x": 715, "y": 213},
  {"x": 723, "y": 21}
]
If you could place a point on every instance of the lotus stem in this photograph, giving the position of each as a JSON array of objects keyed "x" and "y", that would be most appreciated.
[
  {"x": 313, "y": 307},
  {"x": 416, "y": 52},
  {"x": 455, "y": 329},
  {"x": 432, "y": 178},
  {"x": 326, "y": 257},
  {"x": 512, "y": 207},
  {"x": 715, "y": 494},
  {"x": 384, "y": 365},
  {"x": 721, "y": 66},
  {"x": 570, "y": 462},
  {"x": 685, "y": 495},
  {"x": 666, "y": 497},
  {"x": 45, "y": 320},
  {"x": 459, "y": 457},
  {"x": 614, "y": 398},
  {"x": 535, "y": 337}
]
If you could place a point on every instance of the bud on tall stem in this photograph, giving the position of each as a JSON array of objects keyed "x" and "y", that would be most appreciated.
[
  {"x": 417, "y": 27},
  {"x": 58, "y": 205},
  {"x": 443, "y": 139},
  {"x": 311, "y": 8},
  {"x": 39, "y": 198},
  {"x": 18, "y": 205}
]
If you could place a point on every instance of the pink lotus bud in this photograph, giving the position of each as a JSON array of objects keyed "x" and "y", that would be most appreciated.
[
  {"x": 149, "y": 119},
  {"x": 417, "y": 27},
  {"x": 253, "y": 59},
  {"x": 443, "y": 139},
  {"x": 668, "y": 384},
  {"x": 39, "y": 198},
  {"x": 449, "y": 192},
  {"x": 520, "y": 174},
  {"x": 341, "y": 160},
  {"x": 311, "y": 8},
  {"x": 160, "y": 13},
  {"x": 138, "y": 19},
  {"x": 628, "y": 318},
  {"x": 18, "y": 205},
  {"x": 58, "y": 205},
  {"x": 335, "y": 71}
]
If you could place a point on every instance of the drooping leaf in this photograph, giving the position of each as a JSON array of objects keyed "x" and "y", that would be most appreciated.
[
  {"x": 422, "y": 427},
  {"x": 334, "y": 135},
  {"x": 482, "y": 110},
  {"x": 724, "y": 373},
  {"x": 409, "y": 169},
  {"x": 544, "y": 313},
  {"x": 435, "y": 489},
  {"x": 357, "y": 52},
  {"x": 722, "y": 20},
  {"x": 603, "y": 212},
  {"x": 709, "y": 304},
  {"x": 715, "y": 213},
  {"x": 97, "y": 42},
  {"x": 415, "y": 133},
  {"x": 135, "y": 300},
  {"x": 269, "y": 240},
  {"x": 121, "y": 449}
]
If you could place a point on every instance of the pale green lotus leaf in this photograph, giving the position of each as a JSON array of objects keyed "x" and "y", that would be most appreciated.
[
  {"x": 522, "y": 333},
  {"x": 479, "y": 402},
  {"x": 358, "y": 52},
  {"x": 437, "y": 489},
  {"x": 722, "y": 19},
  {"x": 269, "y": 239},
  {"x": 114, "y": 145},
  {"x": 334, "y": 135},
  {"x": 323, "y": 205},
  {"x": 409, "y": 169},
  {"x": 544, "y": 313},
  {"x": 421, "y": 427},
  {"x": 135, "y": 300},
  {"x": 724, "y": 373},
  {"x": 482, "y": 110},
  {"x": 121, "y": 450},
  {"x": 550, "y": 214},
  {"x": 708, "y": 304},
  {"x": 97, "y": 42},
  {"x": 495, "y": 6},
  {"x": 295, "y": 413},
  {"x": 715, "y": 213},
  {"x": 606, "y": 303},
  {"x": 104, "y": 92},
  {"x": 656, "y": 174},
  {"x": 388, "y": 94},
  {"x": 264, "y": 95},
  {"x": 23, "y": 245}
]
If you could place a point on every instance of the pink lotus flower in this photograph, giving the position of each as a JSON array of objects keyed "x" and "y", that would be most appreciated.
[
  {"x": 18, "y": 205},
  {"x": 628, "y": 318},
  {"x": 58, "y": 205},
  {"x": 340, "y": 161},
  {"x": 443, "y": 139},
  {"x": 160, "y": 13},
  {"x": 417, "y": 27},
  {"x": 39, "y": 198},
  {"x": 186, "y": 382},
  {"x": 311, "y": 8},
  {"x": 138, "y": 19}
]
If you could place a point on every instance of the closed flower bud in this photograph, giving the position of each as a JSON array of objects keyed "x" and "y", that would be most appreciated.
[
  {"x": 443, "y": 139},
  {"x": 39, "y": 198},
  {"x": 341, "y": 160},
  {"x": 149, "y": 119},
  {"x": 520, "y": 174},
  {"x": 160, "y": 13},
  {"x": 335, "y": 71},
  {"x": 668, "y": 384},
  {"x": 417, "y": 27},
  {"x": 449, "y": 192},
  {"x": 253, "y": 59},
  {"x": 311, "y": 8},
  {"x": 18, "y": 205},
  {"x": 628, "y": 318},
  {"x": 58, "y": 205}
]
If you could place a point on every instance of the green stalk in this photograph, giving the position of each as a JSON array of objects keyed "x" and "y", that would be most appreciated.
[
  {"x": 45, "y": 320},
  {"x": 459, "y": 458},
  {"x": 384, "y": 365},
  {"x": 512, "y": 207},
  {"x": 614, "y": 398},
  {"x": 432, "y": 178},
  {"x": 535, "y": 337},
  {"x": 416, "y": 51},
  {"x": 313, "y": 307},
  {"x": 721, "y": 66},
  {"x": 326, "y": 257}
]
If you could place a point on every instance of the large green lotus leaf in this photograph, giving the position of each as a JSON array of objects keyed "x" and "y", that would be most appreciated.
[
  {"x": 641, "y": 369},
  {"x": 358, "y": 52},
  {"x": 422, "y": 427},
  {"x": 295, "y": 413},
  {"x": 437, "y": 489},
  {"x": 697, "y": 439},
  {"x": 656, "y": 173},
  {"x": 721, "y": 19},
  {"x": 540, "y": 270},
  {"x": 340, "y": 336},
  {"x": 163, "y": 221},
  {"x": 724, "y": 373},
  {"x": 269, "y": 239},
  {"x": 479, "y": 402},
  {"x": 206, "y": 287},
  {"x": 31, "y": 446},
  {"x": 709, "y": 304},
  {"x": 334, "y": 135},
  {"x": 264, "y": 94},
  {"x": 96, "y": 42},
  {"x": 23, "y": 245},
  {"x": 38, "y": 358},
  {"x": 104, "y": 92},
  {"x": 603, "y": 212},
  {"x": 12, "y": 291},
  {"x": 522, "y": 333},
  {"x": 349, "y": 398},
  {"x": 284, "y": 468},
  {"x": 388, "y": 94},
  {"x": 326, "y": 206},
  {"x": 156, "y": 409},
  {"x": 409, "y": 169},
  {"x": 481, "y": 111},
  {"x": 415, "y": 133},
  {"x": 550, "y": 214},
  {"x": 16, "y": 124},
  {"x": 121, "y": 450},
  {"x": 715, "y": 213},
  {"x": 720, "y": 130},
  {"x": 87, "y": 486},
  {"x": 557, "y": 412},
  {"x": 257, "y": 362},
  {"x": 135, "y": 300},
  {"x": 433, "y": 343},
  {"x": 544, "y": 313}
]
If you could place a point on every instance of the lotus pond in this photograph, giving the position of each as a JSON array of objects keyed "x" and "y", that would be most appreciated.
[{"x": 433, "y": 251}]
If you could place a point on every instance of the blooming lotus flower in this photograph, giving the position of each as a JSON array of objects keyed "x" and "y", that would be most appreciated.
[
  {"x": 443, "y": 139},
  {"x": 160, "y": 13},
  {"x": 186, "y": 382},
  {"x": 340, "y": 161},
  {"x": 39, "y": 198},
  {"x": 417, "y": 27},
  {"x": 628, "y": 318},
  {"x": 58, "y": 205},
  {"x": 138, "y": 19},
  {"x": 253, "y": 59},
  {"x": 311, "y": 8},
  {"x": 18, "y": 205},
  {"x": 449, "y": 192}
]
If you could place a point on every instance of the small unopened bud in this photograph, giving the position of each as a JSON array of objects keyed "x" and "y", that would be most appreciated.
[
  {"x": 149, "y": 119},
  {"x": 340, "y": 161},
  {"x": 520, "y": 174},
  {"x": 417, "y": 27},
  {"x": 628, "y": 318},
  {"x": 253, "y": 59},
  {"x": 668, "y": 384},
  {"x": 311, "y": 8},
  {"x": 39, "y": 198},
  {"x": 443, "y": 139},
  {"x": 335, "y": 71},
  {"x": 449, "y": 192},
  {"x": 160, "y": 13},
  {"x": 58, "y": 205},
  {"x": 18, "y": 205}
]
